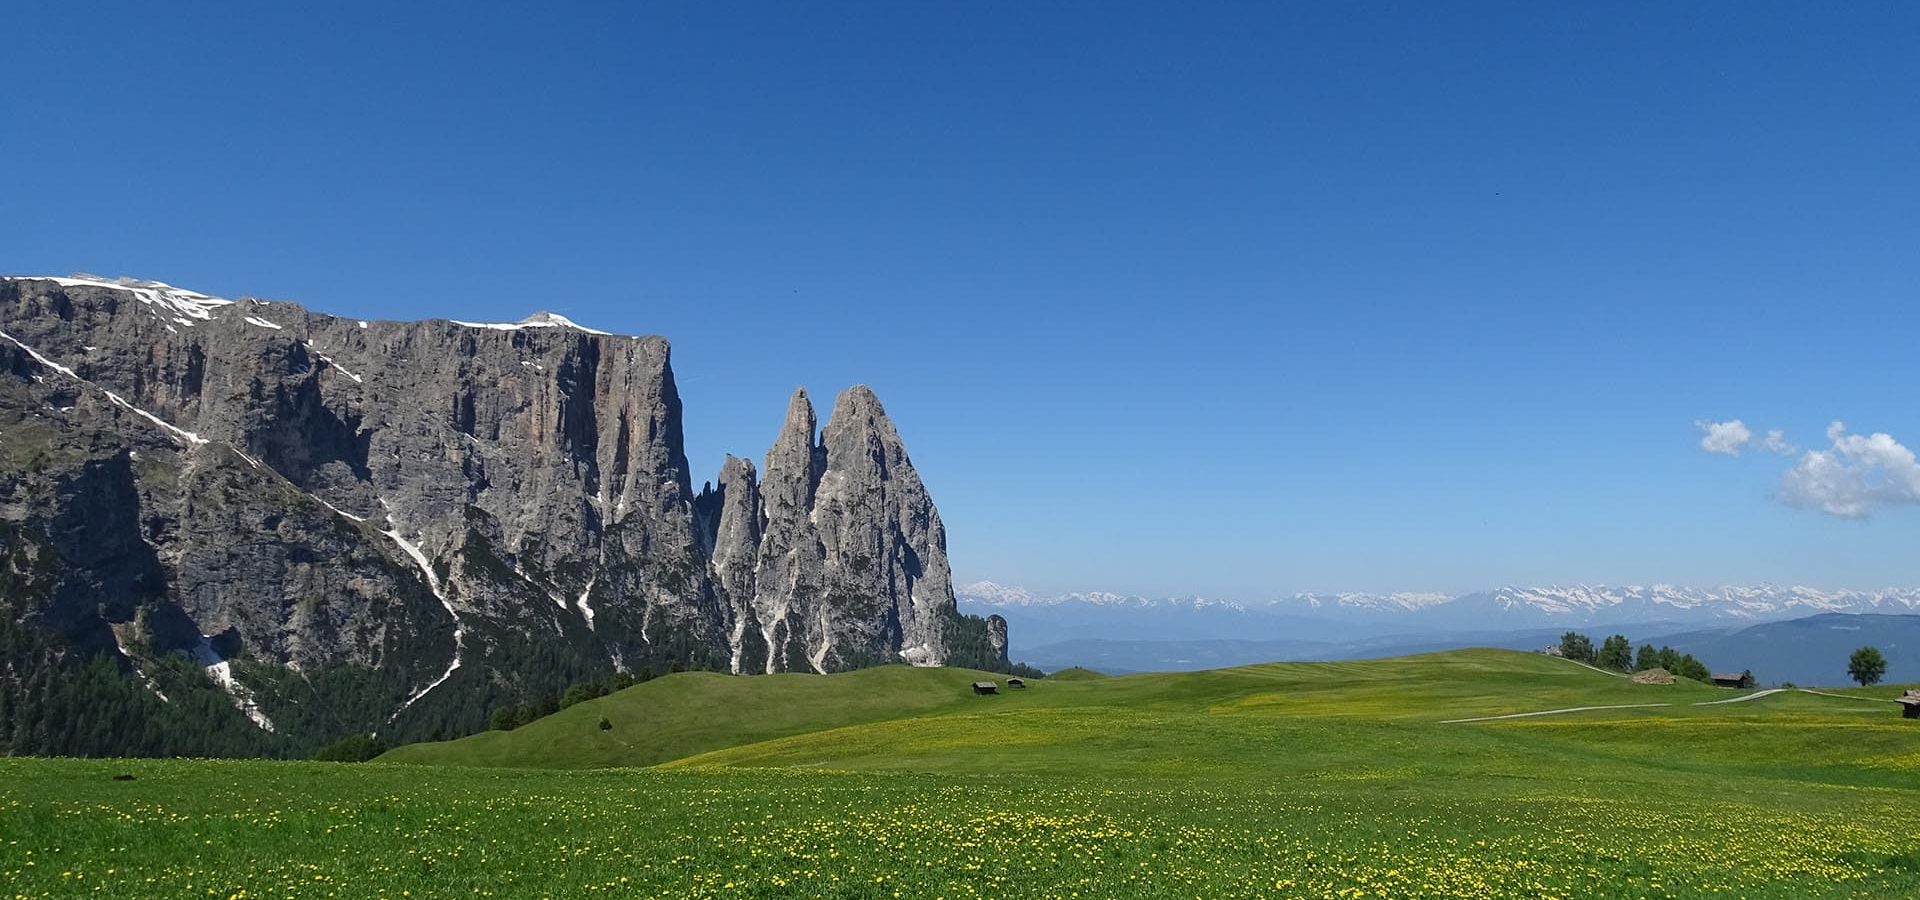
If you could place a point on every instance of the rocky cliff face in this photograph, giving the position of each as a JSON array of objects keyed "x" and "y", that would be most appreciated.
[
  {"x": 407, "y": 523},
  {"x": 850, "y": 565}
]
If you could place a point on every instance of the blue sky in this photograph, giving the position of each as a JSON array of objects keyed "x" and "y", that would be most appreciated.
[{"x": 1235, "y": 301}]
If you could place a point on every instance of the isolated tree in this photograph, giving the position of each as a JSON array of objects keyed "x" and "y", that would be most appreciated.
[
  {"x": 1867, "y": 666},
  {"x": 1576, "y": 646},
  {"x": 1616, "y": 653},
  {"x": 1649, "y": 658}
]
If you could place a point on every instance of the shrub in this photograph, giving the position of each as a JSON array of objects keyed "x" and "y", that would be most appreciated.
[{"x": 352, "y": 748}]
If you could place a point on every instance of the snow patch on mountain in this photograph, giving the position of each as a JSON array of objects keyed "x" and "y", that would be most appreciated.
[
  {"x": 440, "y": 592},
  {"x": 220, "y": 670},
  {"x": 177, "y": 306},
  {"x": 541, "y": 319}
]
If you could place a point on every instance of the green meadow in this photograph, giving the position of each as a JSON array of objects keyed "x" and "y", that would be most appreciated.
[{"x": 1295, "y": 779}]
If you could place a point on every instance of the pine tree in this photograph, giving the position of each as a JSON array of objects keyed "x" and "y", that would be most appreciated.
[
  {"x": 1648, "y": 658},
  {"x": 1576, "y": 646},
  {"x": 1616, "y": 653}
]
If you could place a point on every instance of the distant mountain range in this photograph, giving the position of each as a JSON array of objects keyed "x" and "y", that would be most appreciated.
[
  {"x": 1795, "y": 634},
  {"x": 1807, "y": 651},
  {"x": 1339, "y": 618}
]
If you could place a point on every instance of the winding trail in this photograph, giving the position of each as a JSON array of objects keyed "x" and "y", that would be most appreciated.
[
  {"x": 1846, "y": 696},
  {"x": 1743, "y": 697},
  {"x": 1740, "y": 699},
  {"x": 1553, "y": 712}
]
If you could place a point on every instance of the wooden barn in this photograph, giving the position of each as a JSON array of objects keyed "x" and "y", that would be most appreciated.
[
  {"x": 1910, "y": 704},
  {"x": 1016, "y": 682},
  {"x": 985, "y": 687},
  {"x": 1733, "y": 679}
]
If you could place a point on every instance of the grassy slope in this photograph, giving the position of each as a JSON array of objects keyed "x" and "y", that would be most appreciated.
[
  {"x": 1076, "y": 673},
  {"x": 1331, "y": 779},
  {"x": 1358, "y": 720},
  {"x": 1882, "y": 691},
  {"x": 693, "y": 712},
  {"x": 690, "y": 714},
  {"x": 697, "y": 712},
  {"x": 1330, "y": 718}
]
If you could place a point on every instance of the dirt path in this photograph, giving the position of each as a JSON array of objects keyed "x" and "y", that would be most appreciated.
[
  {"x": 1743, "y": 697},
  {"x": 1553, "y": 712},
  {"x": 1846, "y": 696},
  {"x": 1574, "y": 709}
]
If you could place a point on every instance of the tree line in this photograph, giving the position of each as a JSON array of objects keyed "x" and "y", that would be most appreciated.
[{"x": 1617, "y": 654}]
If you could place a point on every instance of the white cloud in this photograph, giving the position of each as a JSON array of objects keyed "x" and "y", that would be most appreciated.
[
  {"x": 1724, "y": 437},
  {"x": 1857, "y": 475},
  {"x": 1776, "y": 442}
]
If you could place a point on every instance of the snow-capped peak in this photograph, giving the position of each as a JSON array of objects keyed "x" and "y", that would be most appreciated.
[
  {"x": 176, "y": 305},
  {"x": 1404, "y": 600},
  {"x": 995, "y": 594},
  {"x": 988, "y": 593},
  {"x": 541, "y": 319}
]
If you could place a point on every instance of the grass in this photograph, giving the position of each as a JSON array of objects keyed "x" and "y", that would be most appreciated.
[
  {"x": 1076, "y": 673},
  {"x": 687, "y": 713},
  {"x": 1333, "y": 780},
  {"x": 691, "y": 713}
]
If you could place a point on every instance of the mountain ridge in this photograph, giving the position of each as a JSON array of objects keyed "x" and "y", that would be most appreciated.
[{"x": 357, "y": 525}]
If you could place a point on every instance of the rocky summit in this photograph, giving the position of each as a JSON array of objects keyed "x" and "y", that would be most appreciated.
[{"x": 350, "y": 526}]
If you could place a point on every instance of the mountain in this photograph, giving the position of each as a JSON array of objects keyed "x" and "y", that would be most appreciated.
[
  {"x": 1811, "y": 650},
  {"x": 1120, "y": 633},
  {"x": 1115, "y": 657},
  {"x": 240, "y": 526},
  {"x": 1123, "y": 656},
  {"x": 1520, "y": 607},
  {"x": 1050, "y": 619},
  {"x": 1042, "y": 620}
]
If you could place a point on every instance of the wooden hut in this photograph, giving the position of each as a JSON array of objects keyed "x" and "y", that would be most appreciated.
[
  {"x": 1910, "y": 704},
  {"x": 1732, "y": 679},
  {"x": 985, "y": 687}
]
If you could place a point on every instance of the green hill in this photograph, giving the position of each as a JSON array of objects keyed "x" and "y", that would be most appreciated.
[
  {"x": 896, "y": 708},
  {"x": 693, "y": 712},
  {"x": 1076, "y": 673}
]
